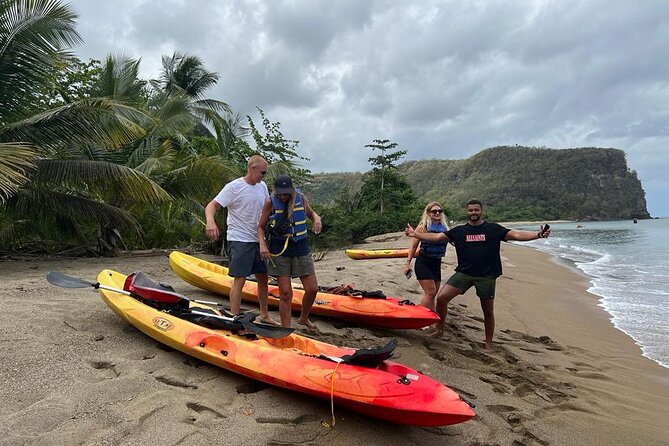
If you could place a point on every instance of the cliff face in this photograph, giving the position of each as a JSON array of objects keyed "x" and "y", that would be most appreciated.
[{"x": 521, "y": 183}]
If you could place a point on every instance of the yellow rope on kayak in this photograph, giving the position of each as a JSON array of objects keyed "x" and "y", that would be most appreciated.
[{"x": 334, "y": 421}]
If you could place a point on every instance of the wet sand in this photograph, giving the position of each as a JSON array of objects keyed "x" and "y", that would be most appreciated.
[{"x": 72, "y": 372}]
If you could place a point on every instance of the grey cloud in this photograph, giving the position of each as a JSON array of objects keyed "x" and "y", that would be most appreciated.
[{"x": 441, "y": 78}]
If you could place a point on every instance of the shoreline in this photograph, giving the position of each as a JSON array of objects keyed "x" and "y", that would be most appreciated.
[
  {"x": 560, "y": 373},
  {"x": 570, "y": 263}
]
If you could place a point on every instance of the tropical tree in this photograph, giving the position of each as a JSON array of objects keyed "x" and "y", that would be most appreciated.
[
  {"x": 42, "y": 176},
  {"x": 280, "y": 152},
  {"x": 384, "y": 161}
]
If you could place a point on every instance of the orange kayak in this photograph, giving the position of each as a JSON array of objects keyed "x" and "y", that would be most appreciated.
[
  {"x": 361, "y": 254},
  {"x": 382, "y": 388},
  {"x": 389, "y": 312}
]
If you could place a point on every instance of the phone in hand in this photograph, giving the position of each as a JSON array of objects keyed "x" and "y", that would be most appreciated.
[
  {"x": 408, "y": 274},
  {"x": 545, "y": 228}
]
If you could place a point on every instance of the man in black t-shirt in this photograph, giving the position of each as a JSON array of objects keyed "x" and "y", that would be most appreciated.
[{"x": 477, "y": 246}]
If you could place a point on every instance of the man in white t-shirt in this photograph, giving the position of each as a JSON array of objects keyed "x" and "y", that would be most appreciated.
[{"x": 244, "y": 198}]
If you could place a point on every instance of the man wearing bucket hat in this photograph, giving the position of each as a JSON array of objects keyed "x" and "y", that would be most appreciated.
[{"x": 282, "y": 237}]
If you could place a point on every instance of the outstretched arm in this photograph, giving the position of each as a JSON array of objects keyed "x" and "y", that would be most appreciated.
[
  {"x": 409, "y": 231},
  {"x": 524, "y": 236}
]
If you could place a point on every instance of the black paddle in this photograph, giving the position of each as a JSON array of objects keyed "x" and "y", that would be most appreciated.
[{"x": 245, "y": 319}]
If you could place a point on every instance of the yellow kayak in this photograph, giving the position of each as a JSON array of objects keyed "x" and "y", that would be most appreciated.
[
  {"x": 389, "y": 312},
  {"x": 361, "y": 254}
]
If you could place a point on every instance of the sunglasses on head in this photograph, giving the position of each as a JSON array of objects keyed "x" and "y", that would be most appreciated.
[{"x": 436, "y": 211}]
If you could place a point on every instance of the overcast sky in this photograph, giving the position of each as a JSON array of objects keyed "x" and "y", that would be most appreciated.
[{"x": 443, "y": 79}]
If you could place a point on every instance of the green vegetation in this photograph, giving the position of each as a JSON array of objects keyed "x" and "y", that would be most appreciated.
[
  {"x": 356, "y": 215},
  {"x": 522, "y": 183},
  {"x": 359, "y": 213},
  {"x": 92, "y": 154}
]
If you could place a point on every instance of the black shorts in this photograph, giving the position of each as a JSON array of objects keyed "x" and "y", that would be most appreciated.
[
  {"x": 245, "y": 259},
  {"x": 428, "y": 268}
]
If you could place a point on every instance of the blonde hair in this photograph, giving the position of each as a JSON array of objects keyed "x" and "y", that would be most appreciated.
[
  {"x": 254, "y": 161},
  {"x": 426, "y": 219}
]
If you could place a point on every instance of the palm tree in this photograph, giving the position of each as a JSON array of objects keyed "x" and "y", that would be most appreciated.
[{"x": 43, "y": 173}]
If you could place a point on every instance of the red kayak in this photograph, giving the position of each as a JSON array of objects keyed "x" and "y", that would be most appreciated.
[{"x": 363, "y": 380}]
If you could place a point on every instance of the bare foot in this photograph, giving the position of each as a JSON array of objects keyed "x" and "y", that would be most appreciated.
[
  {"x": 438, "y": 334},
  {"x": 269, "y": 321},
  {"x": 307, "y": 323}
]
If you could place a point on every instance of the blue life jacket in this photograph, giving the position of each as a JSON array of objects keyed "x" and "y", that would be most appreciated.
[
  {"x": 434, "y": 249},
  {"x": 298, "y": 224}
]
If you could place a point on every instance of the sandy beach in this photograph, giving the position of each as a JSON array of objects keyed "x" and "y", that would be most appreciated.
[{"x": 72, "y": 372}]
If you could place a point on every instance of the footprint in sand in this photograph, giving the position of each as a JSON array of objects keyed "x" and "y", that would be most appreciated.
[
  {"x": 171, "y": 381},
  {"x": 497, "y": 385},
  {"x": 202, "y": 413},
  {"x": 104, "y": 370},
  {"x": 546, "y": 341},
  {"x": 251, "y": 387}
]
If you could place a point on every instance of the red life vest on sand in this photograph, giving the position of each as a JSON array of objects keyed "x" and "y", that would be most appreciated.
[{"x": 142, "y": 286}]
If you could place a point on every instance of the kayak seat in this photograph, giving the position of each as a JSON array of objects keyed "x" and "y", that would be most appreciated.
[
  {"x": 366, "y": 357},
  {"x": 349, "y": 290},
  {"x": 151, "y": 292}
]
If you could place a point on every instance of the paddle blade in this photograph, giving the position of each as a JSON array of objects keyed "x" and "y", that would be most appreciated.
[
  {"x": 62, "y": 280},
  {"x": 267, "y": 331}
]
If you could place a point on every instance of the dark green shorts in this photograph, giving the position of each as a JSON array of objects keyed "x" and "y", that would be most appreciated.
[{"x": 485, "y": 286}]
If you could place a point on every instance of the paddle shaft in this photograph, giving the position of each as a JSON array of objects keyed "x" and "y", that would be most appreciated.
[{"x": 63, "y": 280}]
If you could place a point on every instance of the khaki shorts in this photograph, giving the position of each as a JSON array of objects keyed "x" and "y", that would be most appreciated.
[
  {"x": 485, "y": 286},
  {"x": 291, "y": 266}
]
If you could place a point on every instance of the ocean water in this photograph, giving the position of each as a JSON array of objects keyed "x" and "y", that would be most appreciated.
[{"x": 628, "y": 264}]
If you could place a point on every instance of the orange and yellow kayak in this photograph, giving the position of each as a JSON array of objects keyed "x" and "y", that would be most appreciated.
[
  {"x": 361, "y": 254},
  {"x": 387, "y": 390},
  {"x": 389, "y": 312}
]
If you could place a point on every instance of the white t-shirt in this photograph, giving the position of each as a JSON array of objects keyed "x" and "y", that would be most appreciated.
[{"x": 244, "y": 203}]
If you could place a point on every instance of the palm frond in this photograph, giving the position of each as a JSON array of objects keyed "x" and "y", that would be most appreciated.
[
  {"x": 200, "y": 179},
  {"x": 16, "y": 161},
  {"x": 101, "y": 122},
  {"x": 43, "y": 205},
  {"x": 34, "y": 35},
  {"x": 100, "y": 175},
  {"x": 120, "y": 79},
  {"x": 160, "y": 160},
  {"x": 219, "y": 107},
  {"x": 183, "y": 73}
]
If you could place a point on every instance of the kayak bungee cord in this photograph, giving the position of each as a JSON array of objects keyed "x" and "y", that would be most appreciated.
[{"x": 334, "y": 421}]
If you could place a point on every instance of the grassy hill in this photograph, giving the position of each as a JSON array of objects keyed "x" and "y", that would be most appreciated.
[{"x": 517, "y": 183}]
